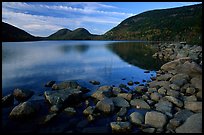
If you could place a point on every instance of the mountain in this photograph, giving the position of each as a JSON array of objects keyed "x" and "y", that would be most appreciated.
[
  {"x": 66, "y": 34},
  {"x": 11, "y": 34},
  {"x": 175, "y": 24}
]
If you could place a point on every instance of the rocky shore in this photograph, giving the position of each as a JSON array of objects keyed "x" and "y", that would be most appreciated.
[{"x": 170, "y": 103}]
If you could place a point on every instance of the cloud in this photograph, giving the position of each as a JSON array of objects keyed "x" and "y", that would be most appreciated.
[{"x": 43, "y": 19}]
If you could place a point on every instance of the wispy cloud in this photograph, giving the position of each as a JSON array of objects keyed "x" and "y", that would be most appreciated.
[{"x": 44, "y": 19}]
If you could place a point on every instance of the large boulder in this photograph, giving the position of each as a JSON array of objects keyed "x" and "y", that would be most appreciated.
[
  {"x": 120, "y": 102},
  {"x": 180, "y": 79},
  {"x": 155, "y": 119},
  {"x": 22, "y": 95},
  {"x": 175, "y": 101},
  {"x": 105, "y": 105},
  {"x": 136, "y": 118},
  {"x": 180, "y": 117},
  {"x": 164, "y": 107},
  {"x": 190, "y": 68},
  {"x": 139, "y": 103},
  {"x": 24, "y": 110},
  {"x": 61, "y": 96},
  {"x": 173, "y": 64},
  {"x": 192, "y": 125}
]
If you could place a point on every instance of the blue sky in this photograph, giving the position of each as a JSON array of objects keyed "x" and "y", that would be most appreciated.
[{"x": 45, "y": 18}]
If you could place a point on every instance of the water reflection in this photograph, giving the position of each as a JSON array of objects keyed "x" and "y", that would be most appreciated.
[
  {"x": 136, "y": 53},
  {"x": 81, "y": 48},
  {"x": 32, "y": 64}
]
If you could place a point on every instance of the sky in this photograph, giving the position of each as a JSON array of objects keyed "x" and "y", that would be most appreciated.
[{"x": 45, "y": 18}]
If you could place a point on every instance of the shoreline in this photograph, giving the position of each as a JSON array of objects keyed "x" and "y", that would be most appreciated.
[{"x": 174, "y": 97}]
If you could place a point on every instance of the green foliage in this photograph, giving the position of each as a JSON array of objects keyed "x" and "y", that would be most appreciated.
[{"x": 175, "y": 24}]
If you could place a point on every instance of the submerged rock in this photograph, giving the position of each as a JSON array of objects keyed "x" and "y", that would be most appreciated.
[
  {"x": 94, "y": 82},
  {"x": 65, "y": 85},
  {"x": 61, "y": 96}
]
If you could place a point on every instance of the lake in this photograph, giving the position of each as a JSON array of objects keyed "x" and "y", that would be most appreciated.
[{"x": 32, "y": 64}]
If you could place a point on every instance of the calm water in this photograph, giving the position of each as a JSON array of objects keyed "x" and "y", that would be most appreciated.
[{"x": 32, "y": 64}]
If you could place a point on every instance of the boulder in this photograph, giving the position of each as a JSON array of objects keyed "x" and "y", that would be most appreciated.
[
  {"x": 130, "y": 83},
  {"x": 137, "y": 118},
  {"x": 155, "y": 96},
  {"x": 65, "y": 85},
  {"x": 155, "y": 119},
  {"x": 173, "y": 93},
  {"x": 48, "y": 118},
  {"x": 56, "y": 108},
  {"x": 101, "y": 94},
  {"x": 7, "y": 100},
  {"x": 179, "y": 79},
  {"x": 120, "y": 126},
  {"x": 162, "y": 91},
  {"x": 197, "y": 82},
  {"x": 120, "y": 102},
  {"x": 61, "y": 96},
  {"x": 173, "y": 64},
  {"x": 192, "y": 125},
  {"x": 155, "y": 84},
  {"x": 116, "y": 90},
  {"x": 164, "y": 107},
  {"x": 175, "y": 101},
  {"x": 174, "y": 87},
  {"x": 190, "y": 90},
  {"x": 127, "y": 96},
  {"x": 148, "y": 130},
  {"x": 180, "y": 117},
  {"x": 70, "y": 110},
  {"x": 193, "y": 106},
  {"x": 139, "y": 103},
  {"x": 190, "y": 98},
  {"x": 190, "y": 68},
  {"x": 105, "y": 105},
  {"x": 24, "y": 110},
  {"x": 164, "y": 77},
  {"x": 22, "y": 95},
  {"x": 89, "y": 110},
  {"x": 105, "y": 88}
]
